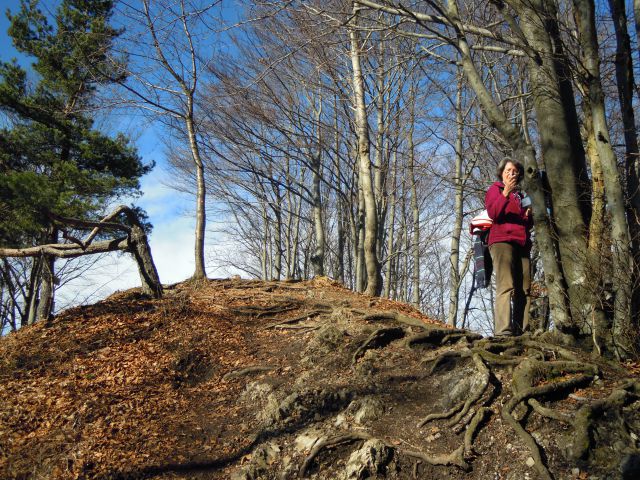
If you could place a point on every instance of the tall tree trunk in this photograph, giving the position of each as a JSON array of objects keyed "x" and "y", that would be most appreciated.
[
  {"x": 33, "y": 292},
  {"x": 46, "y": 302},
  {"x": 454, "y": 257},
  {"x": 201, "y": 220},
  {"x": 636, "y": 16},
  {"x": 264, "y": 254},
  {"x": 361, "y": 268},
  {"x": 277, "y": 241},
  {"x": 139, "y": 247},
  {"x": 625, "y": 82},
  {"x": 415, "y": 212},
  {"x": 317, "y": 259},
  {"x": 391, "y": 254},
  {"x": 374, "y": 280},
  {"x": 620, "y": 237},
  {"x": 380, "y": 164},
  {"x": 600, "y": 323}
]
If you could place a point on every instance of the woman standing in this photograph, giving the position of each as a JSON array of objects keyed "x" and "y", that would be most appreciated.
[{"x": 510, "y": 247}]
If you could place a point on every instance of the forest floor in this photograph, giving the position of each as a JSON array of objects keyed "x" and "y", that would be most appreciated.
[{"x": 234, "y": 379}]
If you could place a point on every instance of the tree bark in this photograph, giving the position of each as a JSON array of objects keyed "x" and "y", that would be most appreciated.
[
  {"x": 454, "y": 257},
  {"x": 625, "y": 82},
  {"x": 374, "y": 283},
  {"x": 391, "y": 254},
  {"x": 415, "y": 212},
  {"x": 620, "y": 236},
  {"x": 317, "y": 259}
]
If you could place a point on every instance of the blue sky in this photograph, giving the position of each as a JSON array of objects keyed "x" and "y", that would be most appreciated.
[{"x": 171, "y": 212}]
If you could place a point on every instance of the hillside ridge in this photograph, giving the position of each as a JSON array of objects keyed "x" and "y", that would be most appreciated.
[{"x": 253, "y": 379}]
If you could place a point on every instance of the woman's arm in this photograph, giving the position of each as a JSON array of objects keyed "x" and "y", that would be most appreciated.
[{"x": 495, "y": 202}]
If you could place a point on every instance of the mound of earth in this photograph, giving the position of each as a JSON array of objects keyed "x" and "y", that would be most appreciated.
[{"x": 232, "y": 379}]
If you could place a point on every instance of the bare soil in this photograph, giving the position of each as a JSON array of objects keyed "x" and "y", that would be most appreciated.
[{"x": 233, "y": 379}]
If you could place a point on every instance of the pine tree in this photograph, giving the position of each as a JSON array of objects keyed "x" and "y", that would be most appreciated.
[{"x": 52, "y": 158}]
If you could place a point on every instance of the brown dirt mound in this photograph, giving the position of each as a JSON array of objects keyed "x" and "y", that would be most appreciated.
[{"x": 250, "y": 379}]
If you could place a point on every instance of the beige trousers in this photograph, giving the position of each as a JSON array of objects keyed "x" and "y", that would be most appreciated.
[{"x": 513, "y": 283}]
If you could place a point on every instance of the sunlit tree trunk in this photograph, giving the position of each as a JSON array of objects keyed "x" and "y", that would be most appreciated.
[
  {"x": 317, "y": 259},
  {"x": 374, "y": 283},
  {"x": 620, "y": 237},
  {"x": 454, "y": 257},
  {"x": 391, "y": 254},
  {"x": 415, "y": 211}
]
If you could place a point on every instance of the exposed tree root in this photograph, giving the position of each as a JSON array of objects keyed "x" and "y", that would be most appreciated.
[
  {"x": 440, "y": 359},
  {"x": 329, "y": 443},
  {"x": 248, "y": 371},
  {"x": 433, "y": 336},
  {"x": 474, "y": 425},
  {"x": 485, "y": 374},
  {"x": 530, "y": 442},
  {"x": 549, "y": 412},
  {"x": 379, "y": 338},
  {"x": 395, "y": 317},
  {"x": 261, "y": 311},
  {"x": 587, "y": 414},
  {"x": 454, "y": 337},
  {"x": 462, "y": 408},
  {"x": 442, "y": 415},
  {"x": 454, "y": 458},
  {"x": 494, "y": 359},
  {"x": 524, "y": 377},
  {"x": 288, "y": 321}
]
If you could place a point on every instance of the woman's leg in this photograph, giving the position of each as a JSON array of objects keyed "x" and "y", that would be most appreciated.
[
  {"x": 521, "y": 291},
  {"x": 502, "y": 256}
]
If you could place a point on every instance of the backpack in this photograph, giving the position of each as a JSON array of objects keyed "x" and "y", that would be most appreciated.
[{"x": 482, "y": 263}]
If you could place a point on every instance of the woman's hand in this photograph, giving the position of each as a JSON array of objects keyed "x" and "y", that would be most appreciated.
[{"x": 509, "y": 185}]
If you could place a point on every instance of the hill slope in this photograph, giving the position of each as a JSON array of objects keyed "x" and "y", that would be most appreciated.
[{"x": 247, "y": 379}]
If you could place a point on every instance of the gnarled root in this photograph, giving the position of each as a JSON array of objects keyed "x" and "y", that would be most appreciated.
[
  {"x": 585, "y": 416},
  {"x": 379, "y": 338},
  {"x": 524, "y": 377},
  {"x": 484, "y": 372},
  {"x": 462, "y": 408},
  {"x": 329, "y": 443},
  {"x": 454, "y": 458}
]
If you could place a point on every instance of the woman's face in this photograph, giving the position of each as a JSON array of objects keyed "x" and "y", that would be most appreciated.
[{"x": 510, "y": 171}]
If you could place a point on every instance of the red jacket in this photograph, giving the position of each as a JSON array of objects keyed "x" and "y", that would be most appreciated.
[{"x": 509, "y": 221}]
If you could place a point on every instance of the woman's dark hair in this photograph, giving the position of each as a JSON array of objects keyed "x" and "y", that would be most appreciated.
[{"x": 503, "y": 164}]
